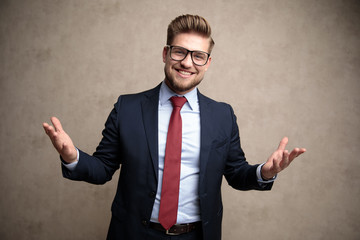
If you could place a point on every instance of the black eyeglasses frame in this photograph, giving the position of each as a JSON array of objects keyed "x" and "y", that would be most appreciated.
[{"x": 191, "y": 54}]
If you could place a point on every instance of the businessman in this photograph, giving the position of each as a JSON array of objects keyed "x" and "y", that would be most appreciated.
[{"x": 174, "y": 146}]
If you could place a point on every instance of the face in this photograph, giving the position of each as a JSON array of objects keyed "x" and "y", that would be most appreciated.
[{"x": 183, "y": 76}]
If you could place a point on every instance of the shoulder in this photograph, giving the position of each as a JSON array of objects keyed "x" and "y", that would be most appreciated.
[
  {"x": 219, "y": 114},
  {"x": 213, "y": 105},
  {"x": 144, "y": 94},
  {"x": 136, "y": 98}
]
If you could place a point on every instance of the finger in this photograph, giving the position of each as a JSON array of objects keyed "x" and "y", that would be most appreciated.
[
  {"x": 283, "y": 143},
  {"x": 57, "y": 124},
  {"x": 296, "y": 152},
  {"x": 48, "y": 129},
  {"x": 277, "y": 165},
  {"x": 278, "y": 160},
  {"x": 45, "y": 126},
  {"x": 285, "y": 159}
]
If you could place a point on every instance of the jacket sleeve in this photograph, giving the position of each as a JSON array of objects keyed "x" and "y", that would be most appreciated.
[
  {"x": 100, "y": 167},
  {"x": 238, "y": 172}
]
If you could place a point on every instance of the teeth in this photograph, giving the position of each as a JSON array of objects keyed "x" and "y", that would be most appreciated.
[{"x": 185, "y": 73}]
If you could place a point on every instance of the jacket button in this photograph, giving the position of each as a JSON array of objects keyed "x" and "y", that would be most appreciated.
[
  {"x": 144, "y": 222},
  {"x": 152, "y": 194}
]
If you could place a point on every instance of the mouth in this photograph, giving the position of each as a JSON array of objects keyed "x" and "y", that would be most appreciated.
[{"x": 184, "y": 73}]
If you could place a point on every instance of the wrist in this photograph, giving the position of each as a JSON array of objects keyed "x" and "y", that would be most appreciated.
[
  {"x": 266, "y": 175},
  {"x": 267, "y": 178},
  {"x": 72, "y": 159},
  {"x": 262, "y": 178}
]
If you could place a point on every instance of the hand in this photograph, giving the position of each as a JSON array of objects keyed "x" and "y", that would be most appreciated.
[
  {"x": 279, "y": 160},
  {"x": 61, "y": 141}
]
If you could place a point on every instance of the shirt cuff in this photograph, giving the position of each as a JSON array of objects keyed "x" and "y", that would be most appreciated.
[
  {"x": 72, "y": 166},
  {"x": 260, "y": 179}
]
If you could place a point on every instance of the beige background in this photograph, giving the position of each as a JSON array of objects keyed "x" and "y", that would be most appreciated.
[{"x": 287, "y": 67}]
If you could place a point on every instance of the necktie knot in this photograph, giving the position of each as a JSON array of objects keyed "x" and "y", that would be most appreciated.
[{"x": 178, "y": 101}]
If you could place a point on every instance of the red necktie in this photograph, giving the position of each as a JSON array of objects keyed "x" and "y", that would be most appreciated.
[{"x": 171, "y": 176}]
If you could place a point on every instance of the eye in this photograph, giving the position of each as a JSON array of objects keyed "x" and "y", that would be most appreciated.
[
  {"x": 179, "y": 51},
  {"x": 199, "y": 55}
]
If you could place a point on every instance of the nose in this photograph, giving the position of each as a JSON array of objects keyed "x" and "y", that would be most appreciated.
[{"x": 187, "y": 61}]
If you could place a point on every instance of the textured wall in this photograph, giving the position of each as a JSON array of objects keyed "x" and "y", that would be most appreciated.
[{"x": 287, "y": 67}]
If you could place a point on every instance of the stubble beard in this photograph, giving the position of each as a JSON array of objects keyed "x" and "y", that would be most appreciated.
[{"x": 177, "y": 86}]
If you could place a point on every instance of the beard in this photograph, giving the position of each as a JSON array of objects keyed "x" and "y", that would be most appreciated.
[{"x": 180, "y": 86}]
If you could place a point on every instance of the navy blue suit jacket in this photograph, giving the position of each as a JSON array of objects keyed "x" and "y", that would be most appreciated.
[{"x": 130, "y": 140}]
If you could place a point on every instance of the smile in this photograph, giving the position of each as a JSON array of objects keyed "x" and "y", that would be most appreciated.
[{"x": 182, "y": 72}]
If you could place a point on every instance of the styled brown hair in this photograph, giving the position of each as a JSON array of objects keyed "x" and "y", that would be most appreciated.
[{"x": 189, "y": 23}]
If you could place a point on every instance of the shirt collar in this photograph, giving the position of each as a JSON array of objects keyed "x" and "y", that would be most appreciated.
[{"x": 166, "y": 93}]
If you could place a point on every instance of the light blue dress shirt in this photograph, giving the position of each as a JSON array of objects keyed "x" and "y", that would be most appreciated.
[{"x": 188, "y": 208}]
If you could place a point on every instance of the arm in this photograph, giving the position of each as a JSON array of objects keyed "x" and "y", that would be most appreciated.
[
  {"x": 238, "y": 172},
  {"x": 96, "y": 169}
]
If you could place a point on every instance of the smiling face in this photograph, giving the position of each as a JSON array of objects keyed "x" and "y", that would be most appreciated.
[{"x": 183, "y": 76}]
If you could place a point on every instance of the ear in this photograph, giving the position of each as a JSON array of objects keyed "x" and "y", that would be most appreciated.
[{"x": 165, "y": 51}]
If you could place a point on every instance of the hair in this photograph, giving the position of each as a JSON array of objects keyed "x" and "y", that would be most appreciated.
[{"x": 189, "y": 23}]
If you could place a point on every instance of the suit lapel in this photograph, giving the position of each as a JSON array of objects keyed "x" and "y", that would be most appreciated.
[
  {"x": 150, "y": 117},
  {"x": 205, "y": 134}
]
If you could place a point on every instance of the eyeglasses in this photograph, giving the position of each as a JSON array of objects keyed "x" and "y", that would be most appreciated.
[{"x": 199, "y": 58}]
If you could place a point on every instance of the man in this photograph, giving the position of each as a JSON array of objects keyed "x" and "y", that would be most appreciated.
[{"x": 137, "y": 136}]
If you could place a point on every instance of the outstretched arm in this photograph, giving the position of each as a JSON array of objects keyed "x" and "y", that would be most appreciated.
[
  {"x": 61, "y": 141},
  {"x": 280, "y": 159}
]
